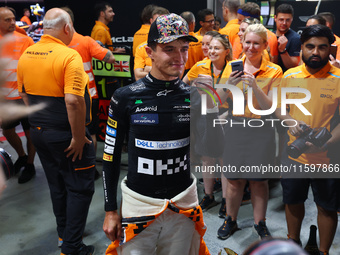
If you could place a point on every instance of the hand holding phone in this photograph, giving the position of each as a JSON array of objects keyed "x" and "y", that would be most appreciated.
[{"x": 236, "y": 66}]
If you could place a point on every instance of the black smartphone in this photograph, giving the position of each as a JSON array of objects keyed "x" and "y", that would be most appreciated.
[
  {"x": 237, "y": 66},
  {"x": 334, "y": 49}
]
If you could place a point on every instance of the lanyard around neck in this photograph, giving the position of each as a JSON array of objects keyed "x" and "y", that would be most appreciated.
[{"x": 212, "y": 74}]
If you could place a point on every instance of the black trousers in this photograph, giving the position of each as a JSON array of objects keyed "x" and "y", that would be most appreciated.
[{"x": 71, "y": 183}]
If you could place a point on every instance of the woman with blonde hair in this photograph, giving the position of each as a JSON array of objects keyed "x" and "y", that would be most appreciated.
[
  {"x": 246, "y": 145},
  {"x": 271, "y": 52}
]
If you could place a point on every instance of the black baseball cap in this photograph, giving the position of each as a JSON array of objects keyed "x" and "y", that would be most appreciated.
[{"x": 168, "y": 28}]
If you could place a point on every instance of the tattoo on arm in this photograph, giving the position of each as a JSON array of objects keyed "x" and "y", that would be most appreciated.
[{"x": 107, "y": 56}]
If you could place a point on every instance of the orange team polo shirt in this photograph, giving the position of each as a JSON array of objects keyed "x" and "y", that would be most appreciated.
[
  {"x": 141, "y": 58},
  {"x": 195, "y": 52},
  {"x": 324, "y": 87},
  {"x": 20, "y": 30},
  {"x": 231, "y": 30},
  {"x": 88, "y": 49},
  {"x": 204, "y": 67},
  {"x": 11, "y": 53},
  {"x": 26, "y": 19},
  {"x": 140, "y": 36},
  {"x": 267, "y": 77},
  {"x": 272, "y": 44},
  {"x": 198, "y": 34},
  {"x": 36, "y": 63},
  {"x": 337, "y": 43},
  {"x": 101, "y": 32}
]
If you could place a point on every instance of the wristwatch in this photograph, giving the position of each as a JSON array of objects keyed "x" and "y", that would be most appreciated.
[{"x": 283, "y": 52}]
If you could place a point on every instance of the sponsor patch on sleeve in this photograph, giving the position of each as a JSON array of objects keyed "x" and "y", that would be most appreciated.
[
  {"x": 138, "y": 86},
  {"x": 110, "y": 112},
  {"x": 111, "y": 131},
  {"x": 112, "y": 123},
  {"x": 114, "y": 100},
  {"x": 108, "y": 149},
  {"x": 107, "y": 157},
  {"x": 110, "y": 140}
]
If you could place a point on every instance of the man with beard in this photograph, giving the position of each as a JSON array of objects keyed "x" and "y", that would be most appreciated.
[
  {"x": 321, "y": 79},
  {"x": 100, "y": 31},
  {"x": 288, "y": 40}
]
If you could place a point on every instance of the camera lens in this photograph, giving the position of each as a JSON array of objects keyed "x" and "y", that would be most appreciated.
[{"x": 297, "y": 148}]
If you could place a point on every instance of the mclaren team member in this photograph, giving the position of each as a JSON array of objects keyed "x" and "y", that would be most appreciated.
[
  {"x": 142, "y": 34},
  {"x": 88, "y": 49},
  {"x": 237, "y": 49},
  {"x": 330, "y": 20},
  {"x": 252, "y": 11},
  {"x": 229, "y": 12},
  {"x": 195, "y": 52},
  {"x": 142, "y": 62},
  {"x": 160, "y": 212},
  {"x": 206, "y": 19},
  {"x": 322, "y": 80},
  {"x": 100, "y": 31},
  {"x": 246, "y": 145},
  {"x": 52, "y": 73},
  {"x": 219, "y": 54},
  {"x": 11, "y": 52}
]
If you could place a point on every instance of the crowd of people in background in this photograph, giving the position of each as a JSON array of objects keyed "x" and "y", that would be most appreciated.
[{"x": 170, "y": 60}]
